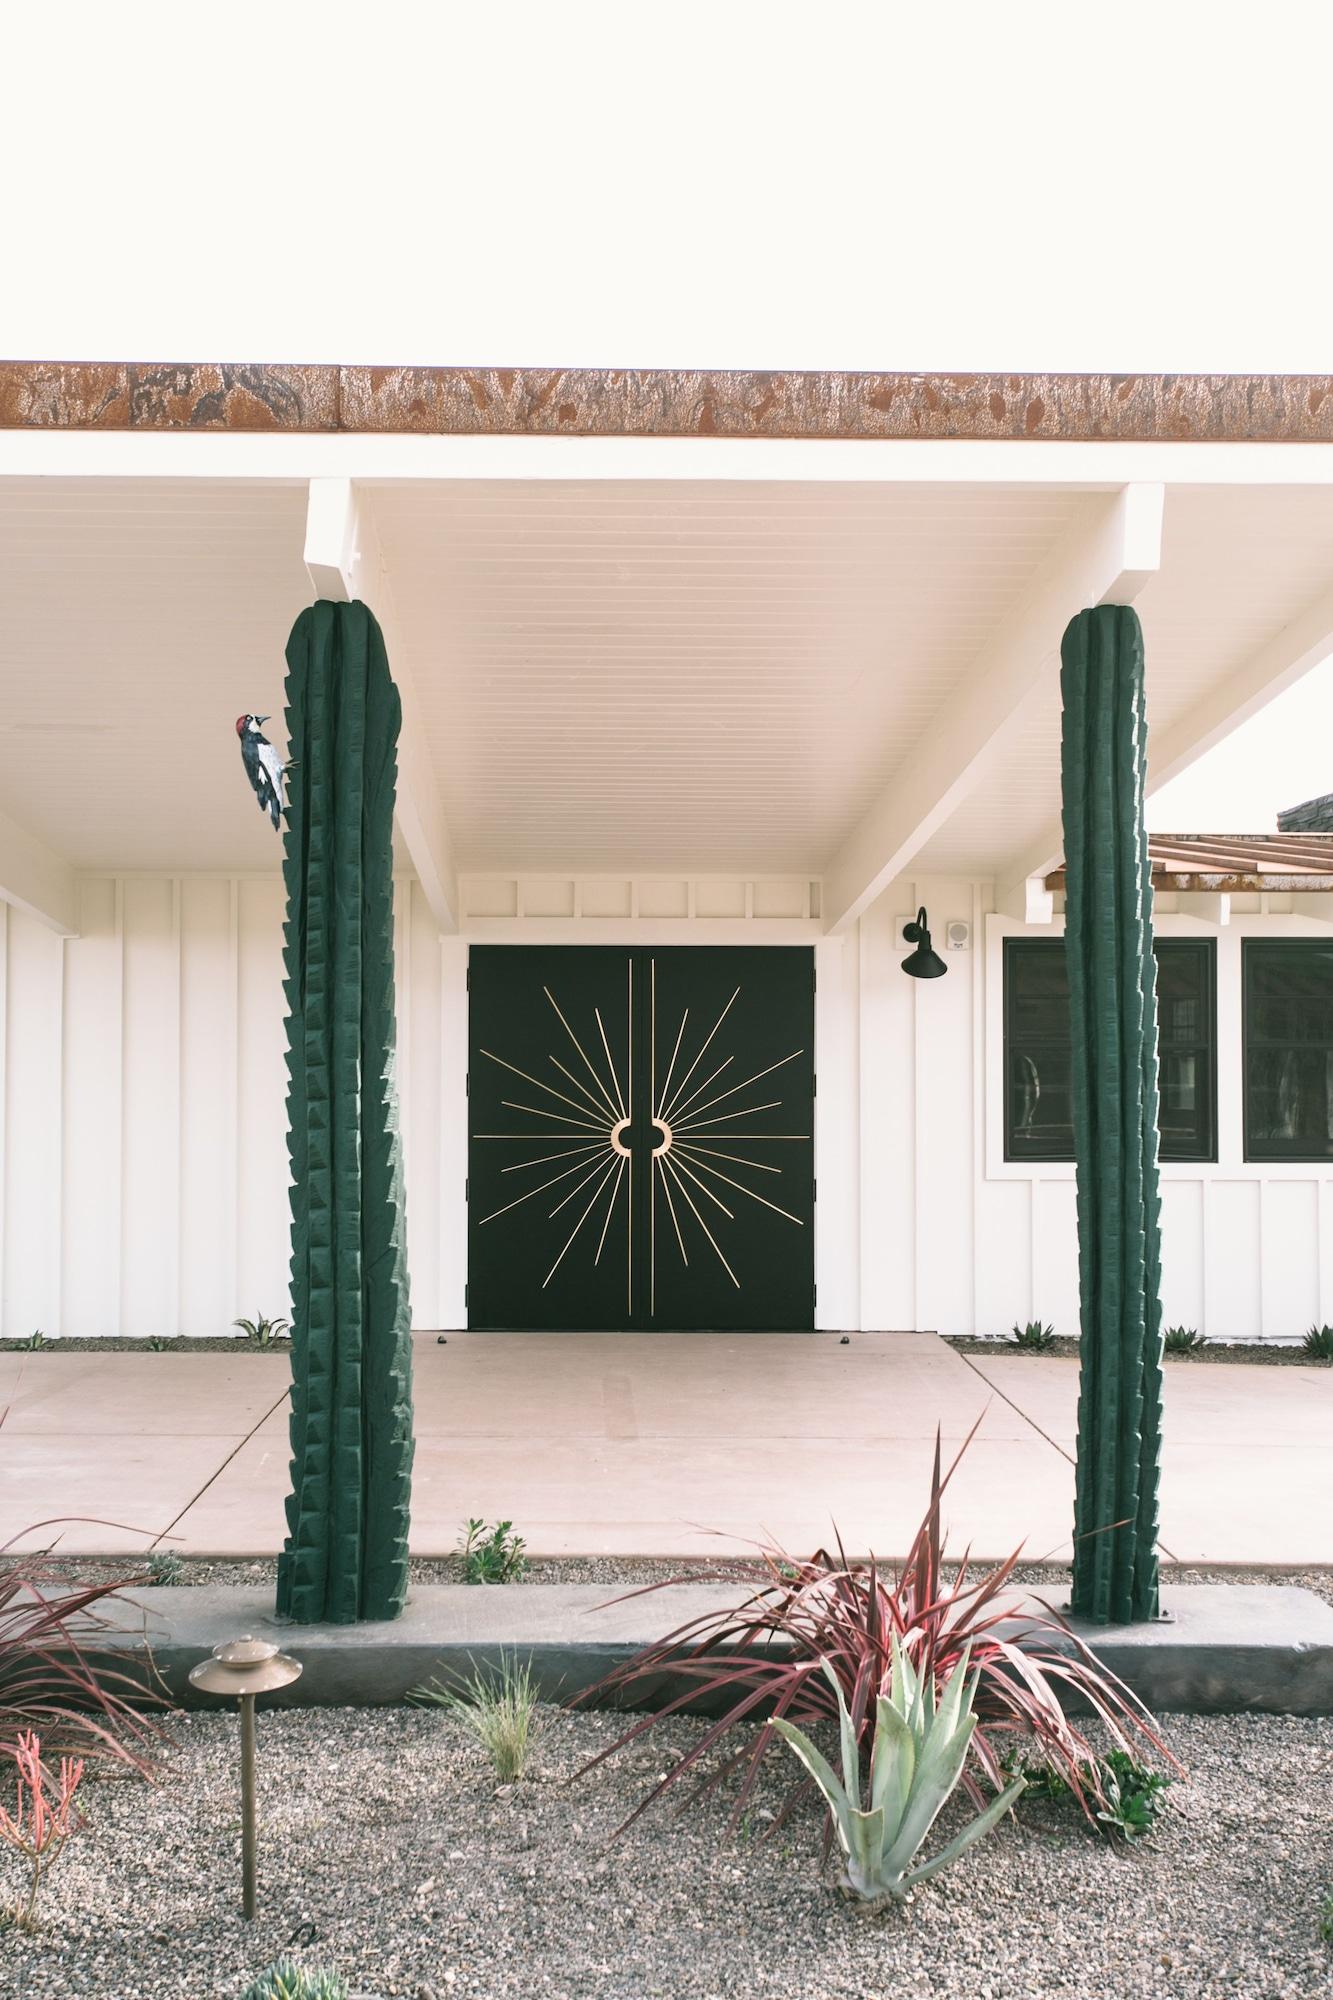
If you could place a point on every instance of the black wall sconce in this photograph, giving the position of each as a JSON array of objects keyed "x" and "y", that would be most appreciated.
[{"x": 923, "y": 963}]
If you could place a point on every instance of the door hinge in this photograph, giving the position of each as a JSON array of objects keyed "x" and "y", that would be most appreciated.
[
  {"x": 814, "y": 1084},
  {"x": 814, "y": 1190},
  {"x": 466, "y": 1185}
]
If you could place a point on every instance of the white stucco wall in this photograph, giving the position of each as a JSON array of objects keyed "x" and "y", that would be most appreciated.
[{"x": 142, "y": 1142}]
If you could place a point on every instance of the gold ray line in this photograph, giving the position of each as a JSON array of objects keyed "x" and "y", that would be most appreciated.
[
  {"x": 743, "y": 1138},
  {"x": 579, "y": 1224},
  {"x": 750, "y": 1111},
  {"x": 684, "y": 1167},
  {"x": 568, "y": 1073},
  {"x": 699, "y": 1088},
  {"x": 536, "y": 1138},
  {"x": 583, "y": 1146},
  {"x": 597, "y": 1016},
  {"x": 594, "y": 1168},
  {"x": 704, "y": 1226},
  {"x": 704, "y": 1168},
  {"x": 579, "y": 1046},
  {"x": 666, "y": 1189},
  {"x": 615, "y": 1197},
  {"x": 660, "y": 1101},
  {"x": 692, "y": 1147},
  {"x": 759, "y": 1074},
  {"x": 583, "y": 1124},
  {"x": 563, "y": 1175},
  {"x": 548, "y": 1088},
  {"x": 699, "y": 1058}
]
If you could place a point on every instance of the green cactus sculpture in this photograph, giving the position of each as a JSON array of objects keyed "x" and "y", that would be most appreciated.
[{"x": 351, "y": 1426}]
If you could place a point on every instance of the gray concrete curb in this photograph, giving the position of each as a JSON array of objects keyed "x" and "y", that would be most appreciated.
[{"x": 1223, "y": 1647}]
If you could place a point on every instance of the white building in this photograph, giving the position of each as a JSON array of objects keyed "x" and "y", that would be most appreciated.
[{"x": 670, "y": 696}]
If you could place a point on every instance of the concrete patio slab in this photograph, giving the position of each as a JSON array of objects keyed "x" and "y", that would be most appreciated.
[
  {"x": 110, "y": 1493},
  {"x": 1222, "y": 1647},
  {"x": 141, "y": 1395},
  {"x": 579, "y": 1495},
  {"x": 641, "y": 1444},
  {"x": 1213, "y": 1403}
]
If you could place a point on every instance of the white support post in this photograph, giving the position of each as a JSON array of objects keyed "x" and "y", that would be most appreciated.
[
  {"x": 1029, "y": 900},
  {"x": 1105, "y": 559},
  {"x": 37, "y": 880},
  {"x": 345, "y": 561}
]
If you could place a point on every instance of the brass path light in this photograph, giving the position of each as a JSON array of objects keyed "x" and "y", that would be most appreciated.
[{"x": 246, "y": 1667}]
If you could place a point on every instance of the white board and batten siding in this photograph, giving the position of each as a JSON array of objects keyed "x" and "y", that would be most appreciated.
[{"x": 143, "y": 1171}]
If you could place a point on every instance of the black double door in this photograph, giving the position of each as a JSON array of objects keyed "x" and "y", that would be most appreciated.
[{"x": 641, "y": 1130}]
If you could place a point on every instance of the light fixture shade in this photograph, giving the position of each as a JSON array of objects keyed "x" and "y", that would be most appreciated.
[{"x": 923, "y": 963}]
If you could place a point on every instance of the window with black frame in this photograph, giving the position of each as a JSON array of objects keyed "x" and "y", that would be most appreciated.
[
  {"x": 1038, "y": 1112},
  {"x": 1288, "y": 1015}
]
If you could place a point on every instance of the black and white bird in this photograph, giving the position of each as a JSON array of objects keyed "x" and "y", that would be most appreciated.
[{"x": 263, "y": 766}]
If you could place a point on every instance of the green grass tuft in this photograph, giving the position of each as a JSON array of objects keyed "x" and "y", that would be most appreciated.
[{"x": 498, "y": 1706}]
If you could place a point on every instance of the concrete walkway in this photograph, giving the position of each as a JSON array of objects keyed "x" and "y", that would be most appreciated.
[{"x": 642, "y": 1444}]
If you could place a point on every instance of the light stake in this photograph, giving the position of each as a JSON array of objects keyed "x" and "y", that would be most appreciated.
[{"x": 246, "y": 1667}]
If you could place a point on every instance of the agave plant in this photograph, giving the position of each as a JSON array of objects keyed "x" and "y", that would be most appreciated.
[
  {"x": 1038, "y": 1339},
  {"x": 920, "y": 1749},
  {"x": 798, "y": 1626},
  {"x": 1183, "y": 1340},
  {"x": 1318, "y": 1343},
  {"x": 286, "y": 1980},
  {"x": 262, "y": 1332}
]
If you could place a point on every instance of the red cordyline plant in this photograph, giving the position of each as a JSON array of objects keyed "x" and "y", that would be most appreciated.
[
  {"x": 63, "y": 1671},
  {"x": 45, "y": 1816},
  {"x": 768, "y": 1656}
]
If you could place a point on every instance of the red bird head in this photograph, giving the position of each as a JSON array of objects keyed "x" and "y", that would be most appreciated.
[{"x": 244, "y": 722}]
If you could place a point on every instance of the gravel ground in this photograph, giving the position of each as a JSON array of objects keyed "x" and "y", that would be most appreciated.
[
  {"x": 626, "y": 1572},
  {"x": 383, "y": 1830},
  {"x": 1290, "y": 1353}
]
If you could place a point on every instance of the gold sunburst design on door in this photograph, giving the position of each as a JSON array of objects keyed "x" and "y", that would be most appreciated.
[
  {"x": 602, "y": 1159},
  {"x": 687, "y": 1125},
  {"x": 698, "y": 1138}
]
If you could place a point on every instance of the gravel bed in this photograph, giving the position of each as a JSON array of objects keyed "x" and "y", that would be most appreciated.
[
  {"x": 629, "y": 1572},
  {"x": 1277, "y": 1353},
  {"x": 384, "y": 1833}
]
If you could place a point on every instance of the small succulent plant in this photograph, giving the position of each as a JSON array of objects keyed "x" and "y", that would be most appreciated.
[
  {"x": 262, "y": 1332},
  {"x": 165, "y": 1566},
  {"x": 1183, "y": 1340},
  {"x": 491, "y": 1554},
  {"x": 920, "y": 1749},
  {"x": 1127, "y": 1796},
  {"x": 286, "y": 1980},
  {"x": 1037, "y": 1338},
  {"x": 1318, "y": 1343},
  {"x": 35, "y": 1341}
]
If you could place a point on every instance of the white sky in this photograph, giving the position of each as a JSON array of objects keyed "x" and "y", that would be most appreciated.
[{"x": 1135, "y": 185}]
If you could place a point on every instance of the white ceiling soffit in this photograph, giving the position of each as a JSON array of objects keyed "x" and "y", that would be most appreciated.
[
  {"x": 1238, "y": 565},
  {"x": 698, "y": 675},
  {"x": 138, "y": 619},
  {"x": 695, "y": 675}
]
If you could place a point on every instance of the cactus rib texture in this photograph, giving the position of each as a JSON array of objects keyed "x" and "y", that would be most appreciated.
[
  {"x": 1113, "y": 1017},
  {"x": 345, "y": 1556}
]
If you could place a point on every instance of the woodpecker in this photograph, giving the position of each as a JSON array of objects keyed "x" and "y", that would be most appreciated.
[{"x": 263, "y": 766}]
